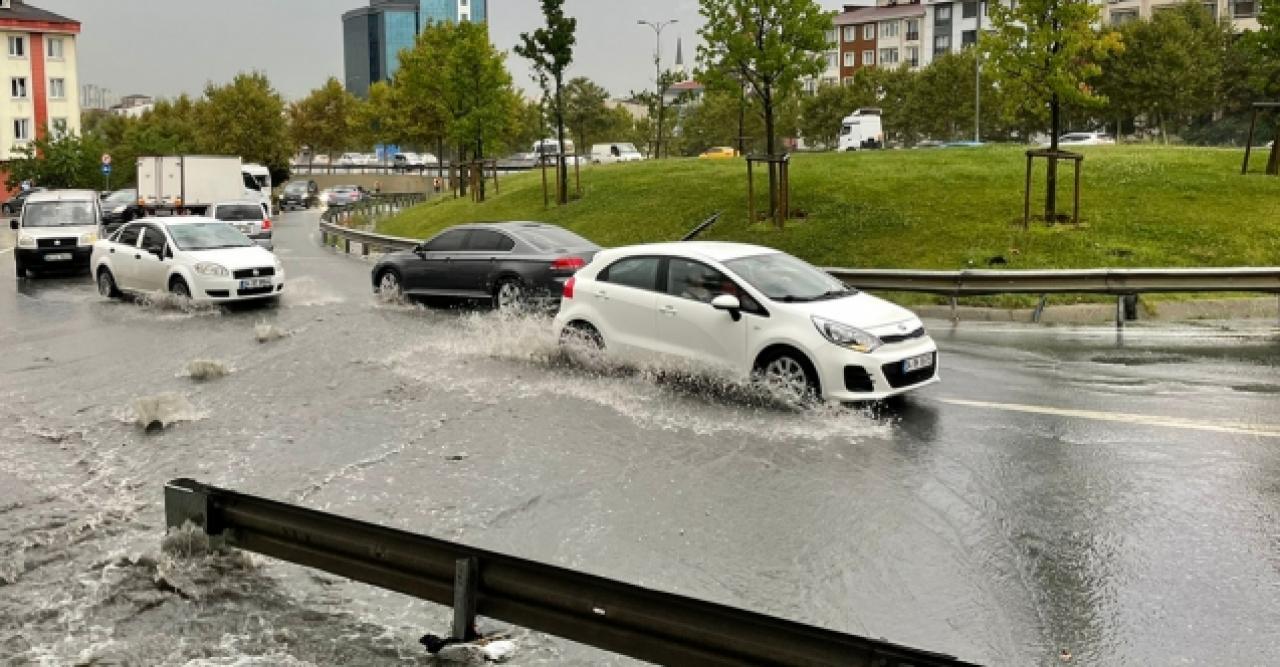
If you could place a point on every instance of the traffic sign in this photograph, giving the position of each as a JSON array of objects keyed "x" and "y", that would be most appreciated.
[
  {"x": 106, "y": 159},
  {"x": 106, "y": 168}
]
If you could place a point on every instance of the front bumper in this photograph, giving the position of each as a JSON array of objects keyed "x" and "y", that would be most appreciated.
[
  {"x": 223, "y": 290},
  {"x": 849, "y": 376},
  {"x": 39, "y": 258},
  {"x": 264, "y": 240}
]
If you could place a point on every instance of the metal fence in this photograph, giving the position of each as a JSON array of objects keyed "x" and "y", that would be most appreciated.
[
  {"x": 392, "y": 170},
  {"x": 623, "y": 618}
]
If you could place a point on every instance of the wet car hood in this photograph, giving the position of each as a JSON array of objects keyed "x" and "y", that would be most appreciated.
[
  {"x": 235, "y": 258},
  {"x": 861, "y": 310}
]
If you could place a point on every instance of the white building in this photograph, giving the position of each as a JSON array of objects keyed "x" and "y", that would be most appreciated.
[{"x": 40, "y": 74}]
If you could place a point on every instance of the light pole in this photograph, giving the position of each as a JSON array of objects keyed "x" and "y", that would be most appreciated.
[
  {"x": 977, "y": 78},
  {"x": 658, "y": 27}
]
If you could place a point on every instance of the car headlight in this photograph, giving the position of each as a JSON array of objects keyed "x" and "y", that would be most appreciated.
[
  {"x": 119, "y": 209},
  {"x": 25, "y": 241},
  {"x": 846, "y": 336},
  {"x": 88, "y": 239},
  {"x": 211, "y": 269}
]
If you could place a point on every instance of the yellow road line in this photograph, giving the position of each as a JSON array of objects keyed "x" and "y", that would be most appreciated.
[{"x": 1261, "y": 430}]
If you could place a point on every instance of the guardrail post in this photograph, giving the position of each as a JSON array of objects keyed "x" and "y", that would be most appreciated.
[
  {"x": 346, "y": 243},
  {"x": 955, "y": 317},
  {"x": 1039, "y": 312},
  {"x": 1120, "y": 312},
  {"x": 466, "y": 578}
]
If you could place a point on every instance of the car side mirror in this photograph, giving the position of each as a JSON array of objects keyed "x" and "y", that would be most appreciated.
[
  {"x": 13, "y": 224},
  {"x": 729, "y": 303},
  {"x": 168, "y": 253},
  {"x": 420, "y": 249}
]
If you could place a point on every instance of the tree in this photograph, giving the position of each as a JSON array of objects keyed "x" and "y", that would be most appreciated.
[
  {"x": 421, "y": 118},
  {"x": 822, "y": 113},
  {"x": 323, "y": 120},
  {"x": 374, "y": 118},
  {"x": 246, "y": 118},
  {"x": 65, "y": 161},
  {"x": 585, "y": 111},
  {"x": 1043, "y": 53},
  {"x": 714, "y": 122},
  {"x": 767, "y": 45},
  {"x": 551, "y": 50}
]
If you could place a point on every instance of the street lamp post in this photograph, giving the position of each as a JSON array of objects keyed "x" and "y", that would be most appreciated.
[
  {"x": 977, "y": 78},
  {"x": 658, "y": 27}
]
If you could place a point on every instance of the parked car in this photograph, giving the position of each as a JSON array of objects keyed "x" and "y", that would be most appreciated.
[
  {"x": 719, "y": 153},
  {"x": 56, "y": 231},
  {"x": 1085, "y": 139},
  {"x": 249, "y": 217},
  {"x": 199, "y": 258},
  {"x": 341, "y": 195},
  {"x": 299, "y": 194},
  {"x": 118, "y": 208},
  {"x": 510, "y": 264},
  {"x": 13, "y": 207},
  {"x": 413, "y": 161},
  {"x": 752, "y": 312},
  {"x": 611, "y": 153}
]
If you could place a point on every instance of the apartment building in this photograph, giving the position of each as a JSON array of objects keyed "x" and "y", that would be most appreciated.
[
  {"x": 891, "y": 35},
  {"x": 44, "y": 91},
  {"x": 1242, "y": 13}
]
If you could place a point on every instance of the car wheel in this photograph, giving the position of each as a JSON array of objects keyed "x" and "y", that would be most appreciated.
[
  {"x": 581, "y": 335},
  {"x": 790, "y": 376},
  {"x": 19, "y": 269},
  {"x": 509, "y": 296},
  {"x": 178, "y": 287},
  {"x": 107, "y": 284},
  {"x": 389, "y": 286}
]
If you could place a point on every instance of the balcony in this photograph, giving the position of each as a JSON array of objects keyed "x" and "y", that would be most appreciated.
[{"x": 913, "y": 36}]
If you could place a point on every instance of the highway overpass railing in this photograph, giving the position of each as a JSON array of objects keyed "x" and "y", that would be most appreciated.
[{"x": 622, "y": 618}]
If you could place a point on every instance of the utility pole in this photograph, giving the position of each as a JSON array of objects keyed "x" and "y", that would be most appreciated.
[
  {"x": 658, "y": 27},
  {"x": 977, "y": 77}
]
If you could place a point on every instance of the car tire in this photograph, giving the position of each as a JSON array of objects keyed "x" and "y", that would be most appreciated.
[
  {"x": 179, "y": 288},
  {"x": 579, "y": 333},
  {"x": 19, "y": 269},
  {"x": 790, "y": 375},
  {"x": 510, "y": 296},
  {"x": 390, "y": 285},
  {"x": 107, "y": 284}
]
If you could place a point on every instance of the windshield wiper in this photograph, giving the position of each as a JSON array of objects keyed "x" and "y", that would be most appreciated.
[{"x": 835, "y": 294}]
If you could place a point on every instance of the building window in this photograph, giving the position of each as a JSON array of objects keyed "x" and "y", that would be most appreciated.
[
  {"x": 22, "y": 129},
  {"x": 912, "y": 56},
  {"x": 55, "y": 48},
  {"x": 831, "y": 37},
  {"x": 57, "y": 89},
  {"x": 849, "y": 59},
  {"x": 869, "y": 31},
  {"x": 17, "y": 47},
  {"x": 1212, "y": 8},
  {"x": 850, "y": 33},
  {"x": 18, "y": 87},
  {"x": 888, "y": 57},
  {"x": 942, "y": 14},
  {"x": 59, "y": 126},
  {"x": 1243, "y": 9},
  {"x": 868, "y": 58},
  {"x": 969, "y": 10},
  {"x": 889, "y": 29},
  {"x": 833, "y": 60},
  {"x": 941, "y": 44},
  {"x": 913, "y": 30},
  {"x": 464, "y": 17},
  {"x": 1123, "y": 16},
  {"x": 848, "y": 81},
  {"x": 968, "y": 38}
]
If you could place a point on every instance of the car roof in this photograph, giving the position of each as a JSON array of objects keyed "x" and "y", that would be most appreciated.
[
  {"x": 179, "y": 220},
  {"x": 239, "y": 202},
  {"x": 717, "y": 251},
  {"x": 61, "y": 195}
]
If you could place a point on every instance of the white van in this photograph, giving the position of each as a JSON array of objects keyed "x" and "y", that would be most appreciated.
[
  {"x": 862, "y": 130},
  {"x": 56, "y": 231},
  {"x": 610, "y": 153},
  {"x": 260, "y": 177}
]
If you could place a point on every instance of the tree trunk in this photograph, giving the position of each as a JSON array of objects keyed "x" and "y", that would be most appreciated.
[
  {"x": 742, "y": 121},
  {"x": 479, "y": 159},
  {"x": 1051, "y": 177},
  {"x": 1273, "y": 161},
  {"x": 462, "y": 175},
  {"x": 767, "y": 101},
  {"x": 440, "y": 158},
  {"x": 562, "y": 193},
  {"x": 662, "y": 110}
]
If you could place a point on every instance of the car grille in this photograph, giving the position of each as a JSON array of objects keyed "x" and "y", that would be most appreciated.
[
  {"x": 218, "y": 293},
  {"x": 255, "y": 291},
  {"x": 56, "y": 243},
  {"x": 891, "y": 339},
  {"x": 265, "y": 272},
  {"x": 857, "y": 379},
  {"x": 897, "y": 379}
]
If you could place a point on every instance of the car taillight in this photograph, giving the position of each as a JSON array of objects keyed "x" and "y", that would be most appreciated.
[
  {"x": 568, "y": 287},
  {"x": 266, "y": 225},
  {"x": 567, "y": 264}
]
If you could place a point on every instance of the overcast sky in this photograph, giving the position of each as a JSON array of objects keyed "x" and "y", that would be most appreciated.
[{"x": 167, "y": 47}]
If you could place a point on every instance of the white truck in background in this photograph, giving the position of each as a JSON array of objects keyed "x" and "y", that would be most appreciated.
[
  {"x": 862, "y": 130},
  {"x": 194, "y": 183}
]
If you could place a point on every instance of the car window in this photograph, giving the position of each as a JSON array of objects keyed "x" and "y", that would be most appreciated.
[
  {"x": 449, "y": 241},
  {"x": 548, "y": 238},
  {"x": 153, "y": 239},
  {"x": 487, "y": 239},
  {"x": 129, "y": 235},
  {"x": 637, "y": 272},
  {"x": 688, "y": 279},
  {"x": 239, "y": 213}
]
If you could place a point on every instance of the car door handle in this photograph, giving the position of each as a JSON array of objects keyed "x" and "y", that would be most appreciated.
[
  {"x": 602, "y": 295},
  {"x": 112, "y": 251},
  {"x": 668, "y": 310},
  {"x": 137, "y": 256}
]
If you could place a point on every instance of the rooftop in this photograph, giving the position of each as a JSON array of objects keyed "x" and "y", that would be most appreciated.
[
  {"x": 859, "y": 15},
  {"x": 19, "y": 11}
]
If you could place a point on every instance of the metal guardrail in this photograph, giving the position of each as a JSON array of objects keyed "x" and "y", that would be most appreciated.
[
  {"x": 1118, "y": 282},
  {"x": 622, "y": 618},
  {"x": 391, "y": 170}
]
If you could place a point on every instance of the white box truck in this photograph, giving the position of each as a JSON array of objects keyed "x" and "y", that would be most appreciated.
[
  {"x": 862, "y": 130},
  {"x": 190, "y": 183}
]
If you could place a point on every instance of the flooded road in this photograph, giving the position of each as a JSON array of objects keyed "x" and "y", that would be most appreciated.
[{"x": 1062, "y": 488}]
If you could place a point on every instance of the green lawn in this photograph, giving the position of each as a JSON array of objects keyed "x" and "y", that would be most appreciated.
[{"x": 936, "y": 208}]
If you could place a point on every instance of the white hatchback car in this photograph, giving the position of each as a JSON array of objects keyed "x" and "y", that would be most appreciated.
[
  {"x": 753, "y": 311},
  {"x": 203, "y": 259}
]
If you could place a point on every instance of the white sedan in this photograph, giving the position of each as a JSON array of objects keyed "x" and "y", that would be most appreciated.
[
  {"x": 1086, "y": 139},
  {"x": 198, "y": 258},
  {"x": 753, "y": 311}
]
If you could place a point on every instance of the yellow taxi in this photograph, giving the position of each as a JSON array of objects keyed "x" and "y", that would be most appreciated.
[{"x": 719, "y": 153}]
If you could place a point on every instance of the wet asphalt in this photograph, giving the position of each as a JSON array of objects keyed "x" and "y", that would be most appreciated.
[{"x": 1115, "y": 495}]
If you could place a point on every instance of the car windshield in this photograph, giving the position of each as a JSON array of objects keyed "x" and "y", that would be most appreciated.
[
  {"x": 122, "y": 197},
  {"x": 784, "y": 278},
  {"x": 627, "y": 148},
  {"x": 296, "y": 187},
  {"x": 59, "y": 214},
  {"x": 240, "y": 213},
  {"x": 207, "y": 236},
  {"x": 548, "y": 239}
]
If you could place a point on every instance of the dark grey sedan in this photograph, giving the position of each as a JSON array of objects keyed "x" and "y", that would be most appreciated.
[{"x": 510, "y": 264}]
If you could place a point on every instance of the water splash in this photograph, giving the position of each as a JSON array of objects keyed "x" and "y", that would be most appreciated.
[
  {"x": 266, "y": 333},
  {"x": 204, "y": 370},
  {"x": 157, "y": 413}
]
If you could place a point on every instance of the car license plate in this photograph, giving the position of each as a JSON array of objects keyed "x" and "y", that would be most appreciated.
[
  {"x": 58, "y": 257},
  {"x": 917, "y": 363},
  {"x": 255, "y": 283}
]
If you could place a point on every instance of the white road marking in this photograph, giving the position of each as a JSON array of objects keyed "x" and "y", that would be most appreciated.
[{"x": 1261, "y": 430}]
